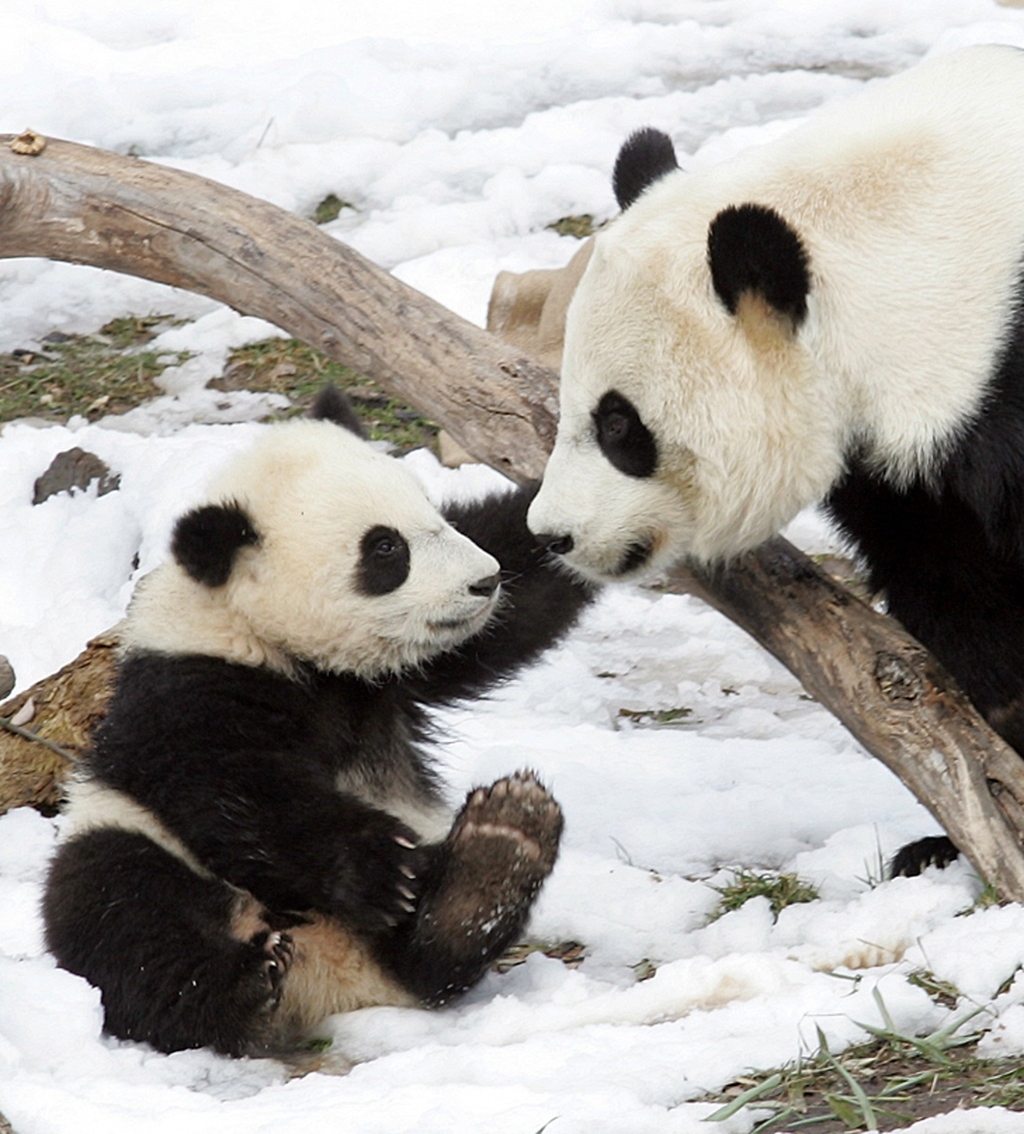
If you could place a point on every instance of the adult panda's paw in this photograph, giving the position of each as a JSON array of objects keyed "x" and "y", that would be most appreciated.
[
  {"x": 376, "y": 880},
  {"x": 909, "y": 861}
]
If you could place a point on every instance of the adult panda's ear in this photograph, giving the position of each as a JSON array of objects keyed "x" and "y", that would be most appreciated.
[
  {"x": 752, "y": 250},
  {"x": 207, "y": 539},
  {"x": 646, "y": 156},
  {"x": 332, "y": 405}
]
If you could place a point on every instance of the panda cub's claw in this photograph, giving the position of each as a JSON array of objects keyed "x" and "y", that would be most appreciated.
[
  {"x": 277, "y": 953},
  {"x": 279, "y": 950},
  {"x": 376, "y": 878}
]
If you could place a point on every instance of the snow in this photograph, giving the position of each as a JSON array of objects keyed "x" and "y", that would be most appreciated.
[{"x": 457, "y": 131}]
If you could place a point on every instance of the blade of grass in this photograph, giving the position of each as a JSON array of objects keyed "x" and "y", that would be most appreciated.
[{"x": 749, "y": 1095}]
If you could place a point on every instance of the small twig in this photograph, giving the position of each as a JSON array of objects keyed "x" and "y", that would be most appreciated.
[{"x": 27, "y": 734}]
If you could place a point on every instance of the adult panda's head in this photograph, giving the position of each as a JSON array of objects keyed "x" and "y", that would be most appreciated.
[
  {"x": 691, "y": 422},
  {"x": 313, "y": 547}
]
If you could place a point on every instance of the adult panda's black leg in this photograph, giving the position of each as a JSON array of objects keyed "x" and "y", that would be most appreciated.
[
  {"x": 943, "y": 579},
  {"x": 477, "y": 894},
  {"x": 181, "y": 960}
]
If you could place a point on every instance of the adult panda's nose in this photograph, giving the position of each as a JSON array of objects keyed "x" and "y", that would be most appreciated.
[
  {"x": 485, "y": 587},
  {"x": 556, "y": 544}
]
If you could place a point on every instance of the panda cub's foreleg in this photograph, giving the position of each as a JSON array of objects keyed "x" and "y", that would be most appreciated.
[
  {"x": 183, "y": 960},
  {"x": 476, "y": 895}
]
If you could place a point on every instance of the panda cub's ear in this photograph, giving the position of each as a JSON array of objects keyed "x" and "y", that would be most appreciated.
[
  {"x": 332, "y": 405},
  {"x": 751, "y": 249},
  {"x": 207, "y": 539},
  {"x": 646, "y": 156}
]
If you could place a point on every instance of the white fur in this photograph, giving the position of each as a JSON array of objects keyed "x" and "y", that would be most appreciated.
[
  {"x": 92, "y": 805},
  {"x": 312, "y": 490},
  {"x": 908, "y": 201}
]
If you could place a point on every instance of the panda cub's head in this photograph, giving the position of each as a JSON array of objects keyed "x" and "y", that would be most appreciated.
[
  {"x": 312, "y": 547},
  {"x": 688, "y": 422}
]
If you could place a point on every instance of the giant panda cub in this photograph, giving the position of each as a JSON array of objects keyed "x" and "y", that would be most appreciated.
[
  {"x": 837, "y": 315},
  {"x": 258, "y": 838}
]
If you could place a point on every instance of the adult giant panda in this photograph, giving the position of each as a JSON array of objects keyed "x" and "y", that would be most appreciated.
[
  {"x": 258, "y": 839},
  {"x": 839, "y": 316}
]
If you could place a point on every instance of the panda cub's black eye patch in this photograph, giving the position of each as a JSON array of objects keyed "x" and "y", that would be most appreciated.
[
  {"x": 623, "y": 438},
  {"x": 383, "y": 561}
]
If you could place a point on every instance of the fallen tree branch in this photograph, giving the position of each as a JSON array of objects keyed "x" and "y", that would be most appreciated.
[
  {"x": 66, "y": 706},
  {"x": 70, "y": 202},
  {"x": 27, "y": 734}
]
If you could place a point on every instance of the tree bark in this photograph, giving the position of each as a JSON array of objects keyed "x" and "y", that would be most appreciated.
[
  {"x": 65, "y": 707},
  {"x": 888, "y": 690},
  {"x": 87, "y": 206},
  {"x": 71, "y": 202}
]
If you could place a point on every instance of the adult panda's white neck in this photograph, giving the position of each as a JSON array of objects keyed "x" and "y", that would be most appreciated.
[{"x": 173, "y": 614}]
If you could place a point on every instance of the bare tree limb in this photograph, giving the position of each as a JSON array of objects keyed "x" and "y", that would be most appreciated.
[{"x": 70, "y": 202}]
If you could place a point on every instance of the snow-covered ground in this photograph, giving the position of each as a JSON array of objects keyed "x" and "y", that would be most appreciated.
[{"x": 458, "y": 130}]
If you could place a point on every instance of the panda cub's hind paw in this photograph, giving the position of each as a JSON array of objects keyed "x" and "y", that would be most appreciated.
[{"x": 515, "y": 816}]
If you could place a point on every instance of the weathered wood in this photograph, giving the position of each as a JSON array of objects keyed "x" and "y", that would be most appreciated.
[
  {"x": 87, "y": 206},
  {"x": 66, "y": 706},
  {"x": 888, "y": 690},
  {"x": 70, "y": 202}
]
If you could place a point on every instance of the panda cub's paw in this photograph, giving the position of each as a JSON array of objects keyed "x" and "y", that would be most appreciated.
[
  {"x": 241, "y": 1009},
  {"x": 518, "y": 810},
  {"x": 501, "y": 847},
  {"x": 376, "y": 878}
]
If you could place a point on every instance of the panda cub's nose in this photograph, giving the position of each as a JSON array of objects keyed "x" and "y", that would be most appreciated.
[
  {"x": 486, "y": 586},
  {"x": 556, "y": 544}
]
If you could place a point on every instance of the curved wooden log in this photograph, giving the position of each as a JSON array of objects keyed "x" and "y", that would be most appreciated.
[
  {"x": 88, "y": 206},
  {"x": 71, "y": 202}
]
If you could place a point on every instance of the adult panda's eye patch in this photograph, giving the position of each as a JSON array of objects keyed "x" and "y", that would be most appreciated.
[
  {"x": 383, "y": 561},
  {"x": 622, "y": 436}
]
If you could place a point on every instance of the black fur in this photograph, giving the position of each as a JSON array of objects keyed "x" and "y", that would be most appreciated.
[
  {"x": 645, "y": 157},
  {"x": 242, "y": 763},
  {"x": 948, "y": 552},
  {"x": 383, "y": 561},
  {"x": 152, "y": 934},
  {"x": 332, "y": 405},
  {"x": 622, "y": 436},
  {"x": 752, "y": 249},
  {"x": 909, "y": 861},
  {"x": 207, "y": 539}
]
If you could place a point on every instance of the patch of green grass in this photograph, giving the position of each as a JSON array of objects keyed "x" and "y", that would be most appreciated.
[
  {"x": 299, "y": 372},
  {"x": 114, "y": 370},
  {"x": 92, "y": 375},
  {"x": 329, "y": 209},
  {"x": 781, "y": 890},
  {"x": 892, "y": 1080},
  {"x": 580, "y": 226},
  {"x": 941, "y": 991},
  {"x": 656, "y": 716}
]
